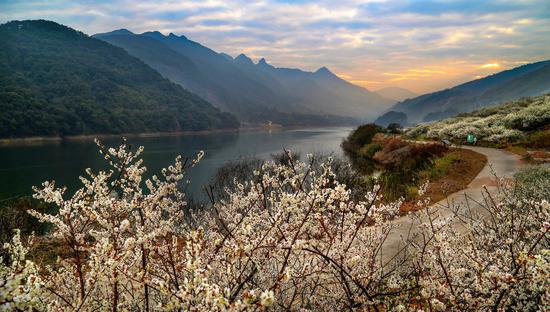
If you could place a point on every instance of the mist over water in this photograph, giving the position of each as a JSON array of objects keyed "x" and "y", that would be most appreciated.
[{"x": 23, "y": 166}]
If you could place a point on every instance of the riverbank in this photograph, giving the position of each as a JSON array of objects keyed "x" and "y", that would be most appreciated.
[{"x": 89, "y": 137}]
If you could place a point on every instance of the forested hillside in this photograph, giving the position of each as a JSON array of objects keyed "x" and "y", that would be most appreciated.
[
  {"x": 55, "y": 81},
  {"x": 526, "y": 80}
]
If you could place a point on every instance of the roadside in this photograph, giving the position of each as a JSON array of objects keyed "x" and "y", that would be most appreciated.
[
  {"x": 500, "y": 163},
  {"x": 449, "y": 174}
]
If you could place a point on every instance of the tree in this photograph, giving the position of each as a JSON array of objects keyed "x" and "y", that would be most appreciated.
[{"x": 290, "y": 238}]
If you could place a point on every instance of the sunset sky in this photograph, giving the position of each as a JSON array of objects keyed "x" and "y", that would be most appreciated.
[{"x": 419, "y": 45}]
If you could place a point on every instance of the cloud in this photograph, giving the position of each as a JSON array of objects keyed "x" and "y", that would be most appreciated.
[
  {"x": 490, "y": 65},
  {"x": 429, "y": 44}
]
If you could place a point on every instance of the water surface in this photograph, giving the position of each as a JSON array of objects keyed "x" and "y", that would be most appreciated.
[{"x": 23, "y": 166}]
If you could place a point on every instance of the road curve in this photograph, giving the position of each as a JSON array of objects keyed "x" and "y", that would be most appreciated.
[{"x": 500, "y": 163}]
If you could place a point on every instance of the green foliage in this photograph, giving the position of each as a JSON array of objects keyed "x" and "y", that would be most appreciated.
[
  {"x": 357, "y": 149},
  {"x": 392, "y": 117},
  {"x": 539, "y": 139},
  {"x": 55, "y": 81},
  {"x": 395, "y": 128},
  {"x": 362, "y": 135},
  {"x": 533, "y": 183},
  {"x": 402, "y": 164},
  {"x": 441, "y": 165}
]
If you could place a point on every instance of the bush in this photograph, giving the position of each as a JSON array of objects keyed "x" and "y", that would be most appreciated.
[
  {"x": 361, "y": 136},
  {"x": 532, "y": 117},
  {"x": 502, "y": 124},
  {"x": 533, "y": 182},
  {"x": 357, "y": 149},
  {"x": 292, "y": 238},
  {"x": 539, "y": 139}
]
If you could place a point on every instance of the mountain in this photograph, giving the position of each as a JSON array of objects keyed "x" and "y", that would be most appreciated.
[
  {"x": 527, "y": 80},
  {"x": 57, "y": 81},
  {"x": 396, "y": 93},
  {"x": 392, "y": 117},
  {"x": 255, "y": 92}
]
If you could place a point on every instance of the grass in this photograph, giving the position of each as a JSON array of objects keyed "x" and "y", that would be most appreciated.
[
  {"x": 441, "y": 166},
  {"x": 450, "y": 173}
]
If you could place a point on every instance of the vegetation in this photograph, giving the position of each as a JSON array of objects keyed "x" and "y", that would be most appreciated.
[
  {"x": 522, "y": 122},
  {"x": 55, "y": 81},
  {"x": 372, "y": 148},
  {"x": 527, "y": 80},
  {"x": 289, "y": 239},
  {"x": 14, "y": 215},
  {"x": 392, "y": 117},
  {"x": 242, "y": 171}
]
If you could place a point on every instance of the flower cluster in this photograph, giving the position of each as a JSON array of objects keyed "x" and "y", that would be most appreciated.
[
  {"x": 504, "y": 123},
  {"x": 21, "y": 287},
  {"x": 291, "y": 238},
  {"x": 489, "y": 259}
]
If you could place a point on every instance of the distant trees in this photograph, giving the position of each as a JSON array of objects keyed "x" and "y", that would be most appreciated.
[
  {"x": 290, "y": 238},
  {"x": 56, "y": 81},
  {"x": 392, "y": 117}
]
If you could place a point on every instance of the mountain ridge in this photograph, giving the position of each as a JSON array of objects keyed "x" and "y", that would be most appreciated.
[
  {"x": 527, "y": 80},
  {"x": 57, "y": 81},
  {"x": 257, "y": 92}
]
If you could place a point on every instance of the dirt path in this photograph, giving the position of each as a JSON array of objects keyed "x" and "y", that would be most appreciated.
[{"x": 499, "y": 162}]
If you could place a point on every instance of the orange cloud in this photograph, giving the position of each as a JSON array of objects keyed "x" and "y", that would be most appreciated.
[{"x": 490, "y": 65}]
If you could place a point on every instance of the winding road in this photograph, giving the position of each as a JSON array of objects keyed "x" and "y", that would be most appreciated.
[{"x": 500, "y": 163}]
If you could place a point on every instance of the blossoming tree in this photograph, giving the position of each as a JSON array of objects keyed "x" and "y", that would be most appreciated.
[{"x": 292, "y": 238}]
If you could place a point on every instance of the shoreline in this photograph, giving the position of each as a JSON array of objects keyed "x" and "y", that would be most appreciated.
[{"x": 89, "y": 137}]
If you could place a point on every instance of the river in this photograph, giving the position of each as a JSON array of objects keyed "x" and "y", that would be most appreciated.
[{"x": 22, "y": 166}]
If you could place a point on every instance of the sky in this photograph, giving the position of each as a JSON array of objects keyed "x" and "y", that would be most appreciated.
[{"x": 419, "y": 45}]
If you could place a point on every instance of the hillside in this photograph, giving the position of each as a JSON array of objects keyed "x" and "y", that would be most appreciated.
[
  {"x": 56, "y": 81},
  {"x": 256, "y": 92},
  {"x": 525, "y": 121},
  {"x": 527, "y": 80}
]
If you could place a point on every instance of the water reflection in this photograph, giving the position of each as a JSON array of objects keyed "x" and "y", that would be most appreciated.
[{"x": 26, "y": 165}]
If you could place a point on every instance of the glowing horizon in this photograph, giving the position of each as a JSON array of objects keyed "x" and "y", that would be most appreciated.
[{"x": 418, "y": 45}]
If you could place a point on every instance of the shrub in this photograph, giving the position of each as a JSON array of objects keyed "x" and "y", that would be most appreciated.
[
  {"x": 289, "y": 239},
  {"x": 533, "y": 182},
  {"x": 502, "y": 124},
  {"x": 539, "y": 139},
  {"x": 441, "y": 165},
  {"x": 532, "y": 117},
  {"x": 499, "y": 260},
  {"x": 361, "y": 136}
]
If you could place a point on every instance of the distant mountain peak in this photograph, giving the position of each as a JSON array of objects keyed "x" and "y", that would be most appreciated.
[
  {"x": 226, "y": 56},
  {"x": 242, "y": 58},
  {"x": 122, "y": 31},
  {"x": 264, "y": 64},
  {"x": 154, "y": 34},
  {"x": 325, "y": 72},
  {"x": 174, "y": 36}
]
